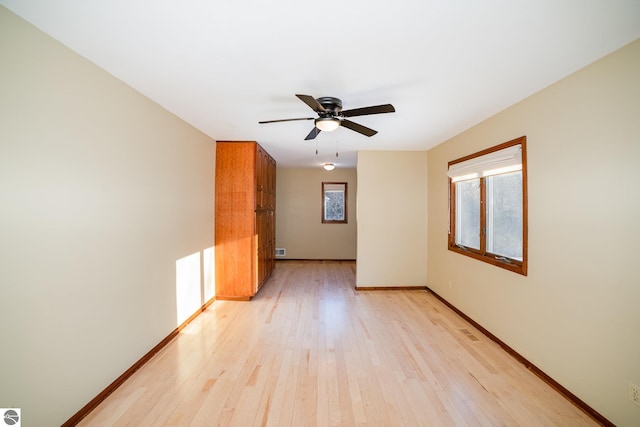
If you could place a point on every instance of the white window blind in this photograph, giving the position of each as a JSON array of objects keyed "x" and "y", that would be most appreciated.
[
  {"x": 333, "y": 187},
  {"x": 494, "y": 163}
]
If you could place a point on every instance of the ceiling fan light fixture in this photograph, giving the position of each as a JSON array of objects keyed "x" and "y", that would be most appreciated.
[
  {"x": 327, "y": 124},
  {"x": 329, "y": 166}
]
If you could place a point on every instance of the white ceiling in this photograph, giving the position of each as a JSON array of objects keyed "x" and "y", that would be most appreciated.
[{"x": 444, "y": 64}]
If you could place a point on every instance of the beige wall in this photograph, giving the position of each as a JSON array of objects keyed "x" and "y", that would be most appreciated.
[
  {"x": 576, "y": 315},
  {"x": 299, "y": 227},
  {"x": 392, "y": 219},
  {"x": 106, "y": 211}
]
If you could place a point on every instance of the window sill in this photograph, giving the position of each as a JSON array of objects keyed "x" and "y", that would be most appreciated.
[{"x": 511, "y": 265}]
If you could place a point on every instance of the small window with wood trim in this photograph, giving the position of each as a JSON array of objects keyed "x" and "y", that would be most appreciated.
[
  {"x": 334, "y": 202},
  {"x": 488, "y": 206}
]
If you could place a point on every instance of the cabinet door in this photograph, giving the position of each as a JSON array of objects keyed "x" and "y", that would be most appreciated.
[
  {"x": 269, "y": 189},
  {"x": 263, "y": 177},
  {"x": 271, "y": 242},
  {"x": 262, "y": 223},
  {"x": 260, "y": 184}
]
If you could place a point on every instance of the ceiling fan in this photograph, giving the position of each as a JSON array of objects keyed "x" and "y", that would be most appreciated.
[{"x": 331, "y": 116}]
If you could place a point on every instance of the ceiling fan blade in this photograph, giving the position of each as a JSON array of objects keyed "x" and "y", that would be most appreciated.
[
  {"x": 312, "y": 102},
  {"x": 314, "y": 132},
  {"x": 376, "y": 109},
  {"x": 358, "y": 128},
  {"x": 285, "y": 120}
]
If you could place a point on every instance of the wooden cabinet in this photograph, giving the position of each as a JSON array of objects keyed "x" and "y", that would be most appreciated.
[{"x": 245, "y": 203}]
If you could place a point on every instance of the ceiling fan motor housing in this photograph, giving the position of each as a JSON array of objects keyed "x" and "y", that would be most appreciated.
[{"x": 332, "y": 105}]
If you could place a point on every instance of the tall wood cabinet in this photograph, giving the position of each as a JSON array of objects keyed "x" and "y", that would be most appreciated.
[{"x": 245, "y": 204}]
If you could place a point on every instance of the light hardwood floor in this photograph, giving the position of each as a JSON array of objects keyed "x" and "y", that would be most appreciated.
[{"x": 310, "y": 350}]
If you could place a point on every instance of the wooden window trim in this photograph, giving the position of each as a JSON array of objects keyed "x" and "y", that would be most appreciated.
[
  {"x": 516, "y": 266},
  {"x": 346, "y": 204}
]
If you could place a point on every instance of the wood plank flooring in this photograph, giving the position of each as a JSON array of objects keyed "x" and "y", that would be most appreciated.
[{"x": 310, "y": 350}]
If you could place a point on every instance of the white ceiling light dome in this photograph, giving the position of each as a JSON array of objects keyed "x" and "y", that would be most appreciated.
[{"x": 327, "y": 124}]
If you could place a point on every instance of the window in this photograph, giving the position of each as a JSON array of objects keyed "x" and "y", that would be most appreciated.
[
  {"x": 334, "y": 202},
  {"x": 488, "y": 206}
]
